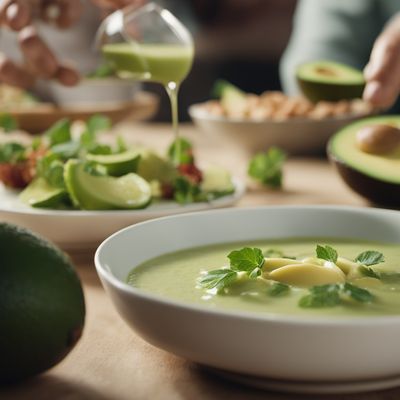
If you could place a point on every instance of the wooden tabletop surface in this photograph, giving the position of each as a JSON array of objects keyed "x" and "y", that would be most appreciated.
[{"x": 111, "y": 362}]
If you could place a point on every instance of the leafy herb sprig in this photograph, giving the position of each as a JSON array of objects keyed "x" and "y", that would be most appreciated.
[
  {"x": 267, "y": 167},
  {"x": 334, "y": 294},
  {"x": 248, "y": 260}
]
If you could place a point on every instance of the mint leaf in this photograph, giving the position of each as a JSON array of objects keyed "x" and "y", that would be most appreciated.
[
  {"x": 181, "y": 151},
  {"x": 66, "y": 150},
  {"x": 326, "y": 253},
  {"x": 278, "y": 289},
  {"x": 97, "y": 123},
  {"x": 357, "y": 293},
  {"x": 247, "y": 259},
  {"x": 51, "y": 168},
  {"x": 8, "y": 123},
  {"x": 11, "y": 152},
  {"x": 366, "y": 271},
  {"x": 217, "y": 278},
  {"x": 370, "y": 257},
  {"x": 60, "y": 132},
  {"x": 321, "y": 296},
  {"x": 267, "y": 167}
]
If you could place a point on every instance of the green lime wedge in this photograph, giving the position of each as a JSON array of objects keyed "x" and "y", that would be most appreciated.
[
  {"x": 42, "y": 195},
  {"x": 105, "y": 192},
  {"x": 217, "y": 180},
  {"x": 152, "y": 167},
  {"x": 117, "y": 164}
]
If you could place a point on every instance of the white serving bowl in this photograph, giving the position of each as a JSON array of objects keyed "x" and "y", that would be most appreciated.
[
  {"x": 93, "y": 91},
  {"x": 280, "y": 347},
  {"x": 300, "y": 136}
]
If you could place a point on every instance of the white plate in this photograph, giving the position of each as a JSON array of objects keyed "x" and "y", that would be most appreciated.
[
  {"x": 290, "y": 348},
  {"x": 296, "y": 136},
  {"x": 75, "y": 230}
]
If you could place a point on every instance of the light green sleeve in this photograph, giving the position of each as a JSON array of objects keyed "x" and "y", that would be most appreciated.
[{"x": 339, "y": 30}]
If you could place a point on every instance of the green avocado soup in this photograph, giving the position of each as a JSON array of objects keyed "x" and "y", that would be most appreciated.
[{"x": 175, "y": 276}]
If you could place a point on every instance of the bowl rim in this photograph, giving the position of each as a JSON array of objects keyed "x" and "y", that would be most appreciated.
[
  {"x": 310, "y": 321},
  {"x": 196, "y": 113}
]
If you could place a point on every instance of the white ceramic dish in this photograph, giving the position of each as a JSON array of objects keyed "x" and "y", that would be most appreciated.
[
  {"x": 297, "y": 136},
  {"x": 81, "y": 230},
  {"x": 93, "y": 91},
  {"x": 336, "y": 350}
]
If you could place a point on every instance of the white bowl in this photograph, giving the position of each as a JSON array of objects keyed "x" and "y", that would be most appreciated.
[
  {"x": 298, "y": 136},
  {"x": 93, "y": 91},
  {"x": 339, "y": 349}
]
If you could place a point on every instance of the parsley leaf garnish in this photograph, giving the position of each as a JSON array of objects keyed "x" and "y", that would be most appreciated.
[
  {"x": 267, "y": 167},
  {"x": 184, "y": 191},
  {"x": 60, "y": 132},
  {"x": 278, "y": 289},
  {"x": 247, "y": 259},
  {"x": 217, "y": 278},
  {"x": 367, "y": 271},
  {"x": 321, "y": 296},
  {"x": 370, "y": 257},
  {"x": 357, "y": 293},
  {"x": 8, "y": 123},
  {"x": 11, "y": 152},
  {"x": 181, "y": 151},
  {"x": 326, "y": 253}
]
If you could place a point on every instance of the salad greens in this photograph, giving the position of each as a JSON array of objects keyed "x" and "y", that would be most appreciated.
[{"x": 103, "y": 175}]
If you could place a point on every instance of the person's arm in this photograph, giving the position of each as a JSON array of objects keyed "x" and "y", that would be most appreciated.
[{"x": 340, "y": 30}]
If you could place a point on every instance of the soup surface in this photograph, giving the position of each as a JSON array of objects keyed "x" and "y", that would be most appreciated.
[{"x": 175, "y": 276}]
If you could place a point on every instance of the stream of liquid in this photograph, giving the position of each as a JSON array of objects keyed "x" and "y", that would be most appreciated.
[{"x": 163, "y": 63}]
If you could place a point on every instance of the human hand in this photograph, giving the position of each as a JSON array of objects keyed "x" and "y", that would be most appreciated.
[
  {"x": 39, "y": 59},
  {"x": 382, "y": 72}
]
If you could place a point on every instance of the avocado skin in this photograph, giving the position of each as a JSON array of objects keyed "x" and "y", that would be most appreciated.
[
  {"x": 376, "y": 191},
  {"x": 319, "y": 91}
]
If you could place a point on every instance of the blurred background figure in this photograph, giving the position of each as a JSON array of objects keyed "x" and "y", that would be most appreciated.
[{"x": 360, "y": 33}]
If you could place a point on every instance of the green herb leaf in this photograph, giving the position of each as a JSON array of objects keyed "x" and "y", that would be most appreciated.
[
  {"x": 60, "y": 132},
  {"x": 370, "y": 257},
  {"x": 11, "y": 152},
  {"x": 66, "y": 150},
  {"x": 267, "y": 167},
  {"x": 8, "y": 123},
  {"x": 326, "y": 253},
  {"x": 98, "y": 123},
  {"x": 321, "y": 296},
  {"x": 218, "y": 278},
  {"x": 181, "y": 151},
  {"x": 367, "y": 271},
  {"x": 278, "y": 289},
  {"x": 247, "y": 259},
  {"x": 255, "y": 273},
  {"x": 357, "y": 293},
  {"x": 51, "y": 168},
  {"x": 185, "y": 192}
]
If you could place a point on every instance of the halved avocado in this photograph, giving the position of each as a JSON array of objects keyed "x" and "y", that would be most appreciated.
[
  {"x": 329, "y": 81},
  {"x": 374, "y": 176}
]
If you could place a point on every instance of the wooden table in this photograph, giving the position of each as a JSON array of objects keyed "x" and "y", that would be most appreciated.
[{"x": 111, "y": 362}]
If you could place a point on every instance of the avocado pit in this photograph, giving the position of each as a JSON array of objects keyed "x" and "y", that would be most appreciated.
[{"x": 378, "y": 139}]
